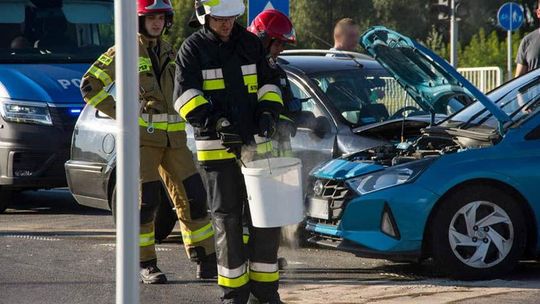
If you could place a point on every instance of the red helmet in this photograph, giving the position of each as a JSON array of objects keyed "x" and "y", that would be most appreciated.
[
  {"x": 150, "y": 7},
  {"x": 273, "y": 24}
]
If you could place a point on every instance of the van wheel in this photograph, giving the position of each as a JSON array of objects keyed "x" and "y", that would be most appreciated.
[
  {"x": 165, "y": 216},
  {"x": 478, "y": 233}
]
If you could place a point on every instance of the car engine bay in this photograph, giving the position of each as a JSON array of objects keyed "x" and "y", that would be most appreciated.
[{"x": 420, "y": 143}]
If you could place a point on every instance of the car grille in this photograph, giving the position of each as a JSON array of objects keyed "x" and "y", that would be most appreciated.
[{"x": 336, "y": 193}]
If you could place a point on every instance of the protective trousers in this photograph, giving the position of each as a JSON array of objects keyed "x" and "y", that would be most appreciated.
[
  {"x": 175, "y": 167},
  {"x": 241, "y": 269}
]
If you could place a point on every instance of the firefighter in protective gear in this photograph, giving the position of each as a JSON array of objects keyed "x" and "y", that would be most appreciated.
[
  {"x": 163, "y": 149},
  {"x": 225, "y": 89},
  {"x": 275, "y": 30}
]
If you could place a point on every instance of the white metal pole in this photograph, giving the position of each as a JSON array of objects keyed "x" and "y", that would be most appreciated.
[
  {"x": 509, "y": 58},
  {"x": 127, "y": 174},
  {"x": 453, "y": 34}
]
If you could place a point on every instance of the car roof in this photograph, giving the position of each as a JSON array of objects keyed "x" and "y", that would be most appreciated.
[{"x": 316, "y": 61}]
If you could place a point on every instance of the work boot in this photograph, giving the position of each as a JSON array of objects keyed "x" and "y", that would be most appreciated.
[
  {"x": 207, "y": 267},
  {"x": 151, "y": 274}
]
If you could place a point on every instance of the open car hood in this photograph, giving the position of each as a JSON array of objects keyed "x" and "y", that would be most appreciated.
[{"x": 428, "y": 79}]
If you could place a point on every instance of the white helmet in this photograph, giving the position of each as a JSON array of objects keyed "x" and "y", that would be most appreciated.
[{"x": 218, "y": 8}]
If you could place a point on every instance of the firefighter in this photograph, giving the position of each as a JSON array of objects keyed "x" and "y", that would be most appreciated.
[
  {"x": 163, "y": 149},
  {"x": 225, "y": 89},
  {"x": 276, "y": 31}
]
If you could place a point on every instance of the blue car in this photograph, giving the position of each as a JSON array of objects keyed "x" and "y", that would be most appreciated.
[{"x": 464, "y": 191}]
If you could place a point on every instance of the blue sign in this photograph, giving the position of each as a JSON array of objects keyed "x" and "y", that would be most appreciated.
[
  {"x": 257, "y": 6},
  {"x": 510, "y": 16}
]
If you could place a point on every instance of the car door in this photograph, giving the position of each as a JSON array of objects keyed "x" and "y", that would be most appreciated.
[
  {"x": 92, "y": 151},
  {"x": 315, "y": 138}
]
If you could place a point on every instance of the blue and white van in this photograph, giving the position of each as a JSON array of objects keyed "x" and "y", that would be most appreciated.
[{"x": 45, "y": 48}]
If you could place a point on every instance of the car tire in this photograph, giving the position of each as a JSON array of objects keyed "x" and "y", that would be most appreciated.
[
  {"x": 478, "y": 233},
  {"x": 165, "y": 216}
]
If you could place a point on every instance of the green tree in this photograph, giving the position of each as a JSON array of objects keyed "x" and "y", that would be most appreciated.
[{"x": 183, "y": 10}]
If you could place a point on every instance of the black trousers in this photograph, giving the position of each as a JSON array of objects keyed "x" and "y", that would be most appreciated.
[{"x": 228, "y": 202}]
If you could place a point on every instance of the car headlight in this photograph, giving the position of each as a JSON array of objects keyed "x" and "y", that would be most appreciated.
[
  {"x": 26, "y": 112},
  {"x": 389, "y": 177}
]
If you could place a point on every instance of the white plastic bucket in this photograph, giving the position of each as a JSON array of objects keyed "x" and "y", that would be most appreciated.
[{"x": 275, "y": 191}]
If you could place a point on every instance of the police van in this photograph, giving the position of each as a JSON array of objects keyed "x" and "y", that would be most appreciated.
[{"x": 45, "y": 48}]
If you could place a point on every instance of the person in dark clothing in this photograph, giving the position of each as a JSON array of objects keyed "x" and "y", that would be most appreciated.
[
  {"x": 225, "y": 89},
  {"x": 528, "y": 57},
  {"x": 275, "y": 30}
]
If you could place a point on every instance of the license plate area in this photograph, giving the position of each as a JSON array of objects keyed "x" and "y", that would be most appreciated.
[{"x": 318, "y": 208}]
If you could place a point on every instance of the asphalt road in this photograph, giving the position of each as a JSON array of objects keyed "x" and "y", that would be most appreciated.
[{"x": 54, "y": 251}]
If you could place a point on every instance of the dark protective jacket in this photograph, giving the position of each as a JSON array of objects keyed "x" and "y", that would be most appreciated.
[
  {"x": 156, "y": 81},
  {"x": 230, "y": 79}
]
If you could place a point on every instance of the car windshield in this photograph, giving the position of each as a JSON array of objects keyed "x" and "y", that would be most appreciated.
[
  {"x": 518, "y": 102},
  {"x": 55, "y": 30},
  {"x": 366, "y": 96}
]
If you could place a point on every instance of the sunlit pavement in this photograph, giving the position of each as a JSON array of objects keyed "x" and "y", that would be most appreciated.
[{"x": 53, "y": 251}]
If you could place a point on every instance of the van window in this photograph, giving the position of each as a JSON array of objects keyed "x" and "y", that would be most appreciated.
[{"x": 47, "y": 31}]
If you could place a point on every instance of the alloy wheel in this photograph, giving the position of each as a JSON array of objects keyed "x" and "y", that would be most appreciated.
[{"x": 481, "y": 234}]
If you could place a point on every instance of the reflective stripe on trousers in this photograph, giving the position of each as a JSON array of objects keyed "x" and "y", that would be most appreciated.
[
  {"x": 232, "y": 278},
  {"x": 263, "y": 272}
]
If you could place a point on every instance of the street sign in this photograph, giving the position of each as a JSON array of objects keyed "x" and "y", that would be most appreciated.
[
  {"x": 510, "y": 16},
  {"x": 257, "y": 6}
]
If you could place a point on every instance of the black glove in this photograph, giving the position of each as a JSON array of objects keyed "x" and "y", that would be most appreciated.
[
  {"x": 286, "y": 128},
  {"x": 267, "y": 125},
  {"x": 199, "y": 117},
  {"x": 229, "y": 136}
]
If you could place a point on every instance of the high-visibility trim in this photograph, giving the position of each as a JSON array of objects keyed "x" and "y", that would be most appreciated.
[
  {"x": 209, "y": 144},
  {"x": 272, "y": 96},
  {"x": 185, "y": 97},
  {"x": 191, "y": 105},
  {"x": 263, "y": 272},
  {"x": 145, "y": 64},
  {"x": 283, "y": 117},
  {"x": 232, "y": 278},
  {"x": 263, "y": 276},
  {"x": 177, "y": 126},
  {"x": 261, "y": 139},
  {"x": 234, "y": 282},
  {"x": 214, "y": 155},
  {"x": 264, "y": 148},
  {"x": 249, "y": 69},
  {"x": 250, "y": 79},
  {"x": 251, "y": 82},
  {"x": 212, "y": 74},
  {"x": 270, "y": 92},
  {"x": 213, "y": 84},
  {"x": 249, "y": 72},
  {"x": 100, "y": 74},
  {"x": 174, "y": 118},
  {"x": 147, "y": 239},
  {"x": 245, "y": 234},
  {"x": 263, "y": 267},
  {"x": 98, "y": 98},
  {"x": 267, "y": 88},
  {"x": 106, "y": 60},
  {"x": 192, "y": 237},
  {"x": 169, "y": 127},
  {"x": 155, "y": 117}
]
